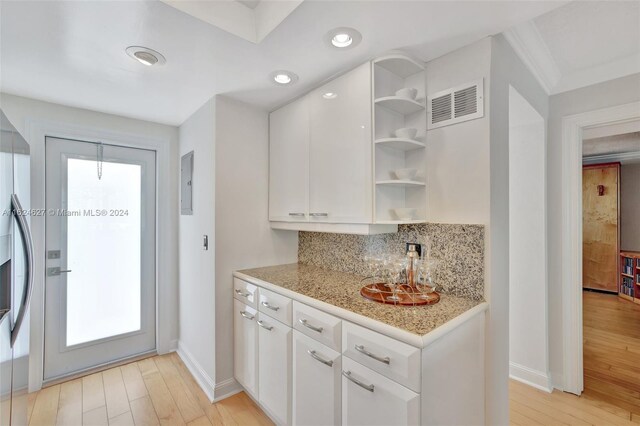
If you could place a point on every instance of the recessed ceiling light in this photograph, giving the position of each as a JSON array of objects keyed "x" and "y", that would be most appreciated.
[
  {"x": 343, "y": 38},
  {"x": 283, "y": 78},
  {"x": 145, "y": 56},
  {"x": 330, "y": 95}
]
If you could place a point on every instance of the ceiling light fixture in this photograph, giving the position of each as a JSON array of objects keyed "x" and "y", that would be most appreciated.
[
  {"x": 283, "y": 78},
  {"x": 343, "y": 38},
  {"x": 145, "y": 56},
  {"x": 330, "y": 95}
]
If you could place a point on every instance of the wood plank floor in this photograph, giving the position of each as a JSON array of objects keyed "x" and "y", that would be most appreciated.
[
  {"x": 155, "y": 391},
  {"x": 612, "y": 350},
  {"x": 611, "y": 372}
]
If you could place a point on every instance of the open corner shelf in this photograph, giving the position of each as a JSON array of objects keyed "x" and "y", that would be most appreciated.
[
  {"x": 400, "y": 144},
  {"x": 629, "y": 284},
  {"x": 399, "y": 104},
  {"x": 398, "y": 182},
  {"x": 400, "y": 65}
]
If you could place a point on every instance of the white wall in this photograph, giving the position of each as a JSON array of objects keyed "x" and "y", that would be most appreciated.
[
  {"x": 230, "y": 202},
  {"x": 35, "y": 119},
  {"x": 197, "y": 266},
  {"x": 528, "y": 328},
  {"x": 630, "y": 207},
  {"x": 244, "y": 238},
  {"x": 604, "y": 95}
]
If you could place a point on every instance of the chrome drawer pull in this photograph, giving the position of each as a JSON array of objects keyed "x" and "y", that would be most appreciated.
[
  {"x": 266, "y": 327},
  {"x": 297, "y": 214},
  {"x": 309, "y": 326},
  {"x": 318, "y": 214},
  {"x": 246, "y": 315},
  {"x": 361, "y": 349},
  {"x": 239, "y": 292},
  {"x": 347, "y": 374},
  {"x": 315, "y": 356},
  {"x": 268, "y": 306}
]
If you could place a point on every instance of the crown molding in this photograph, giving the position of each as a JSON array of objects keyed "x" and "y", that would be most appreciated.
[
  {"x": 622, "y": 157},
  {"x": 526, "y": 41}
]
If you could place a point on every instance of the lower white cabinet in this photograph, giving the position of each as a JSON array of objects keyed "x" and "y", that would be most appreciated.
[
  {"x": 369, "y": 398},
  {"x": 316, "y": 383},
  {"x": 245, "y": 346},
  {"x": 274, "y": 368}
]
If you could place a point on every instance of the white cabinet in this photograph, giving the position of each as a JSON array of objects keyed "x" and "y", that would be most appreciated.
[
  {"x": 245, "y": 346},
  {"x": 274, "y": 368},
  {"x": 316, "y": 383},
  {"x": 368, "y": 398},
  {"x": 289, "y": 162},
  {"x": 340, "y": 180}
]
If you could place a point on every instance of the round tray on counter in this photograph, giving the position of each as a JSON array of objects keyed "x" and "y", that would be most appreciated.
[{"x": 408, "y": 295}]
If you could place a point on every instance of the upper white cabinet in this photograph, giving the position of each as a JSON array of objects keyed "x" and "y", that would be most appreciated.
[
  {"x": 340, "y": 167},
  {"x": 289, "y": 162},
  {"x": 334, "y": 153}
]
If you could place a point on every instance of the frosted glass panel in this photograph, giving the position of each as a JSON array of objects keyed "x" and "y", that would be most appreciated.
[{"x": 103, "y": 250}]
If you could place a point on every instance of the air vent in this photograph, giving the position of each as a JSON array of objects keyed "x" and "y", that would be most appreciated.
[{"x": 455, "y": 105}]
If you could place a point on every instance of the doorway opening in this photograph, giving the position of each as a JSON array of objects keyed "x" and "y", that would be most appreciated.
[
  {"x": 100, "y": 291},
  {"x": 611, "y": 263}
]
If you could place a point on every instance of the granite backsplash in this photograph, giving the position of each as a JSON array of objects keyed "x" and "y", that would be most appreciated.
[{"x": 460, "y": 249}]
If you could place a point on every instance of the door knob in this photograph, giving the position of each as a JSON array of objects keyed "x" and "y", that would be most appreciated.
[{"x": 55, "y": 271}]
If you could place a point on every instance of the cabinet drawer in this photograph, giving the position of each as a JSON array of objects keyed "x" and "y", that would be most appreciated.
[
  {"x": 245, "y": 292},
  {"x": 368, "y": 398},
  {"x": 316, "y": 382},
  {"x": 396, "y": 360},
  {"x": 316, "y": 324},
  {"x": 275, "y": 305},
  {"x": 245, "y": 346}
]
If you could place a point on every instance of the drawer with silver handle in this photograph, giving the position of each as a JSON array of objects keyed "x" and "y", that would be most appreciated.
[
  {"x": 275, "y": 305},
  {"x": 318, "y": 325},
  {"x": 389, "y": 357},
  {"x": 245, "y": 292}
]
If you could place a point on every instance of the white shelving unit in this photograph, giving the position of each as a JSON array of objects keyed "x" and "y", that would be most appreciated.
[{"x": 390, "y": 113}]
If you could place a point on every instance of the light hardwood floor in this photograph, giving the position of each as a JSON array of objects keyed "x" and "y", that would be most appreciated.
[{"x": 155, "y": 391}]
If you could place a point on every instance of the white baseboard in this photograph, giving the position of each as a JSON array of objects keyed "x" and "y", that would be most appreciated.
[
  {"x": 202, "y": 378},
  {"x": 530, "y": 377},
  {"x": 226, "y": 388}
]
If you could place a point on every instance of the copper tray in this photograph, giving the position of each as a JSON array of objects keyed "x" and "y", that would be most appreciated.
[{"x": 409, "y": 296}]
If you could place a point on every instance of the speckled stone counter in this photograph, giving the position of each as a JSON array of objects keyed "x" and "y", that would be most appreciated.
[{"x": 342, "y": 290}]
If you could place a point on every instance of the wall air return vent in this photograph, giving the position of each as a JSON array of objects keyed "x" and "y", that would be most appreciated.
[{"x": 455, "y": 105}]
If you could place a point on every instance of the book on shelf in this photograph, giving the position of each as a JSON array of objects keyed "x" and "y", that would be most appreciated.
[
  {"x": 628, "y": 265},
  {"x": 626, "y": 287}
]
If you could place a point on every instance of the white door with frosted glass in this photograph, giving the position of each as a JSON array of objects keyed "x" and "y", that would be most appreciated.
[{"x": 100, "y": 208}]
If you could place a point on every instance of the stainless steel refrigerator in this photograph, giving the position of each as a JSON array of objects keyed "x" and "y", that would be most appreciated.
[{"x": 16, "y": 274}]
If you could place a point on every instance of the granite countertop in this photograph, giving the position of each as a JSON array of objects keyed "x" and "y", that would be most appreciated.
[{"x": 342, "y": 290}]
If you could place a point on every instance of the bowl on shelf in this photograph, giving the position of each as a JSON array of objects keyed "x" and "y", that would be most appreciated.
[
  {"x": 407, "y": 93},
  {"x": 405, "y": 174},
  {"x": 406, "y": 133},
  {"x": 405, "y": 213}
]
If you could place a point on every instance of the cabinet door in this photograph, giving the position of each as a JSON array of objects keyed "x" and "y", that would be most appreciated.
[
  {"x": 368, "y": 398},
  {"x": 245, "y": 346},
  {"x": 274, "y": 340},
  {"x": 316, "y": 383},
  {"x": 289, "y": 162},
  {"x": 340, "y": 149}
]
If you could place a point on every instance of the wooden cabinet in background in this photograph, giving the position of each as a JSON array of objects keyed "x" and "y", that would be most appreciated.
[{"x": 600, "y": 226}]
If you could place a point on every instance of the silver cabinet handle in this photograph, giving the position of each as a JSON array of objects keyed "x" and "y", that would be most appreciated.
[
  {"x": 266, "y": 327},
  {"x": 347, "y": 374},
  {"x": 268, "y": 306},
  {"x": 246, "y": 315},
  {"x": 297, "y": 214},
  {"x": 315, "y": 356},
  {"x": 318, "y": 214},
  {"x": 309, "y": 326},
  {"x": 239, "y": 292},
  {"x": 385, "y": 360}
]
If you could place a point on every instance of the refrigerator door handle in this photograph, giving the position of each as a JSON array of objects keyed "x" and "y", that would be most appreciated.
[{"x": 27, "y": 245}]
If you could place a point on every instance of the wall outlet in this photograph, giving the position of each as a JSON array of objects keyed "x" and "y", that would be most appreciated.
[{"x": 418, "y": 248}]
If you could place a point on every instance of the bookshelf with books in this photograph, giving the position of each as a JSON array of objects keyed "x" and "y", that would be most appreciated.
[{"x": 629, "y": 284}]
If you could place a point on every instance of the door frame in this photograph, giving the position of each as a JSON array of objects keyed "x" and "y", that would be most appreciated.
[
  {"x": 572, "y": 128},
  {"x": 166, "y": 268}
]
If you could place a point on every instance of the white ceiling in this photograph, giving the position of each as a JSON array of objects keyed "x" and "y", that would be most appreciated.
[
  {"x": 581, "y": 43},
  {"x": 72, "y": 52}
]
